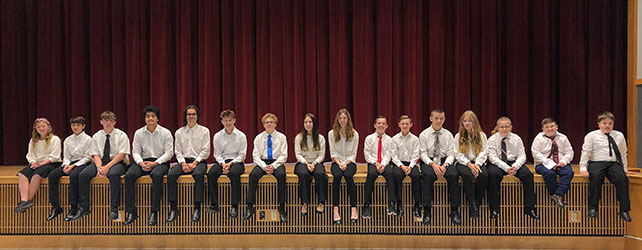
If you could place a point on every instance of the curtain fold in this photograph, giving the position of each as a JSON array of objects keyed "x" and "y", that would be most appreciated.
[{"x": 524, "y": 59}]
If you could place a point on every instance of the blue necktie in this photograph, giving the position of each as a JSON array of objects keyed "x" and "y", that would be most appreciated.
[{"x": 269, "y": 149}]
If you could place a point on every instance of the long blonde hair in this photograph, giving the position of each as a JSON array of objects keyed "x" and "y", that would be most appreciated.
[
  {"x": 336, "y": 128},
  {"x": 36, "y": 137},
  {"x": 472, "y": 139}
]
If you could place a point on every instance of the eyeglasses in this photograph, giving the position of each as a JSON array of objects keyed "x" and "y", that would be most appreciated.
[{"x": 191, "y": 114}]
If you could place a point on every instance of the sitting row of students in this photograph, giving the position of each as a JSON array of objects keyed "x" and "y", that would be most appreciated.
[{"x": 436, "y": 153}]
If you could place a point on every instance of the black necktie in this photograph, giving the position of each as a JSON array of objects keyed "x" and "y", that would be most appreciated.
[
  {"x": 106, "y": 151},
  {"x": 613, "y": 146},
  {"x": 504, "y": 152}
]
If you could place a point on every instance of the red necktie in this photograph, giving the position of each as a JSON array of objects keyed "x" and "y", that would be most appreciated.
[
  {"x": 554, "y": 151},
  {"x": 379, "y": 151}
]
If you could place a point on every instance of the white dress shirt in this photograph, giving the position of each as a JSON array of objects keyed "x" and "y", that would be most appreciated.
[
  {"x": 77, "y": 148},
  {"x": 229, "y": 146},
  {"x": 158, "y": 144},
  {"x": 596, "y": 148},
  {"x": 427, "y": 143},
  {"x": 407, "y": 149},
  {"x": 371, "y": 148},
  {"x": 192, "y": 142},
  {"x": 279, "y": 149},
  {"x": 514, "y": 150},
  {"x": 465, "y": 158},
  {"x": 42, "y": 152},
  {"x": 542, "y": 146},
  {"x": 311, "y": 155},
  {"x": 118, "y": 143},
  {"x": 344, "y": 150}
]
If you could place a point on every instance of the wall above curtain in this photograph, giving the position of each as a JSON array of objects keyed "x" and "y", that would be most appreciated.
[{"x": 524, "y": 59}]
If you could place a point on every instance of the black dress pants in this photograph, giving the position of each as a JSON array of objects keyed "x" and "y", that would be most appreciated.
[
  {"x": 234, "y": 174},
  {"x": 114, "y": 174},
  {"x": 257, "y": 173},
  {"x": 54, "y": 187},
  {"x": 305, "y": 180},
  {"x": 429, "y": 177},
  {"x": 614, "y": 171},
  {"x": 496, "y": 175},
  {"x": 135, "y": 171},
  {"x": 198, "y": 173}
]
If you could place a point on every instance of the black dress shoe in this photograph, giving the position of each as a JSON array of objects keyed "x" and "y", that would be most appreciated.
[
  {"x": 283, "y": 215},
  {"x": 455, "y": 218},
  {"x": 399, "y": 209},
  {"x": 416, "y": 211},
  {"x": 426, "y": 219},
  {"x": 234, "y": 212},
  {"x": 196, "y": 215},
  {"x": 531, "y": 213},
  {"x": 494, "y": 214},
  {"x": 212, "y": 209},
  {"x": 171, "y": 217},
  {"x": 54, "y": 213},
  {"x": 131, "y": 217},
  {"x": 336, "y": 222},
  {"x": 81, "y": 213},
  {"x": 249, "y": 211},
  {"x": 113, "y": 214},
  {"x": 474, "y": 210},
  {"x": 624, "y": 215},
  {"x": 592, "y": 213},
  {"x": 366, "y": 212},
  {"x": 71, "y": 214},
  {"x": 391, "y": 209},
  {"x": 153, "y": 219}
]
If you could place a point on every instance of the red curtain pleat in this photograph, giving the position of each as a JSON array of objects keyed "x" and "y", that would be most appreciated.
[{"x": 524, "y": 59}]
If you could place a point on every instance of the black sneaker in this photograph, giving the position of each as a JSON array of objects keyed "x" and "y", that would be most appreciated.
[
  {"x": 366, "y": 212},
  {"x": 391, "y": 209}
]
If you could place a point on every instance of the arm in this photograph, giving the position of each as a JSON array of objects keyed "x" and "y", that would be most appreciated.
[
  {"x": 283, "y": 149},
  {"x": 368, "y": 148},
  {"x": 66, "y": 153},
  {"x": 493, "y": 158},
  {"x": 355, "y": 145},
  {"x": 205, "y": 148},
  {"x": 31, "y": 156},
  {"x": 394, "y": 153},
  {"x": 298, "y": 152},
  {"x": 256, "y": 153},
  {"x": 169, "y": 148},
  {"x": 587, "y": 150},
  {"x": 521, "y": 154},
  {"x": 567, "y": 151},
  {"x": 321, "y": 156},
  {"x": 137, "y": 148},
  {"x": 178, "y": 147},
  {"x": 449, "y": 149},
  {"x": 241, "y": 157},
  {"x": 423, "y": 147}
]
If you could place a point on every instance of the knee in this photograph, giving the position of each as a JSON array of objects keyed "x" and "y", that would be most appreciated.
[
  {"x": 198, "y": 176},
  {"x": 156, "y": 177}
]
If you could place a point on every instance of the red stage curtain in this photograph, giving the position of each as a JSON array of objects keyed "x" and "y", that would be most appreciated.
[{"x": 524, "y": 59}]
